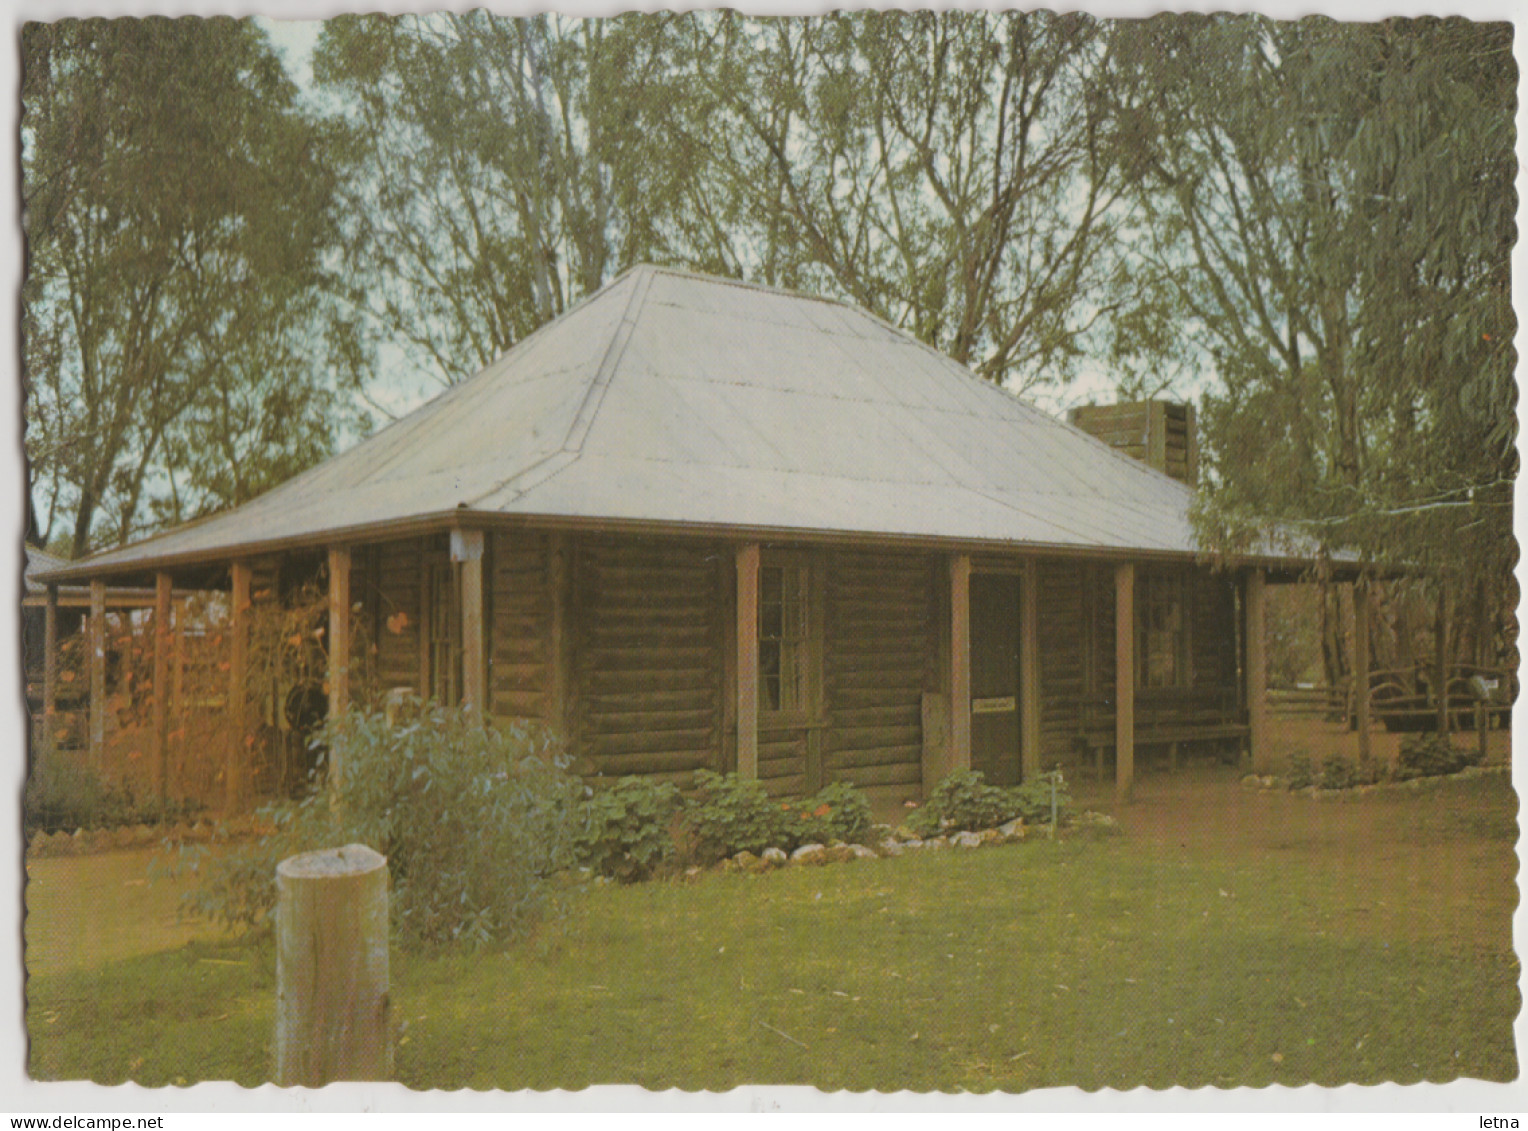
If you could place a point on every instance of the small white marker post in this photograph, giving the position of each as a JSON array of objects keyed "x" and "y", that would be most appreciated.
[{"x": 331, "y": 968}]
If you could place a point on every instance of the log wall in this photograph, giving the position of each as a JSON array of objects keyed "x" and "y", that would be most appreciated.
[
  {"x": 648, "y": 658},
  {"x": 520, "y": 675},
  {"x": 1064, "y": 655},
  {"x": 879, "y": 657}
]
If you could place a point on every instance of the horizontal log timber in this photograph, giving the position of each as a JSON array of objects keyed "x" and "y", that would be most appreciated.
[
  {"x": 637, "y": 620},
  {"x": 637, "y": 657},
  {"x": 650, "y": 762},
  {"x": 608, "y": 743},
  {"x": 905, "y": 670},
  {"x": 649, "y": 636},
  {"x": 900, "y": 713},
  {"x": 905, "y": 771},
  {"x": 870, "y": 695},
  {"x": 640, "y": 701},
  {"x": 628, "y": 721},
  {"x": 863, "y": 738},
  {"x": 520, "y": 704},
  {"x": 518, "y": 628},
  {"x": 608, "y": 682},
  {"x": 794, "y": 786},
  {"x": 519, "y": 673},
  {"x": 887, "y": 754}
]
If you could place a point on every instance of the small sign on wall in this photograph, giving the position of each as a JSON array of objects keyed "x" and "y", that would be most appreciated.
[{"x": 995, "y": 706}]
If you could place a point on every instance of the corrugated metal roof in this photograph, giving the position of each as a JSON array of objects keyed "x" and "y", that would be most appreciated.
[{"x": 682, "y": 400}]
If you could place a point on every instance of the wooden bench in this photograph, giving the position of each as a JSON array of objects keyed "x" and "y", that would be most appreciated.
[{"x": 1169, "y": 720}]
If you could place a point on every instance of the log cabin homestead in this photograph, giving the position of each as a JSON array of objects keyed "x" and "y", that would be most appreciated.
[{"x": 695, "y": 523}]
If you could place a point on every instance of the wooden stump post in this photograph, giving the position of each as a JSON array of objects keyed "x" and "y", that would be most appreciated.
[{"x": 331, "y": 968}]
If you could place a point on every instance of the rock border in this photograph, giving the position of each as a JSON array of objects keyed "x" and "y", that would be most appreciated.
[
  {"x": 87, "y": 842},
  {"x": 1272, "y": 783},
  {"x": 889, "y": 842}
]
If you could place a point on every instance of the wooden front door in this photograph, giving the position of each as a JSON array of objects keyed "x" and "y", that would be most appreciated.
[{"x": 995, "y": 677}]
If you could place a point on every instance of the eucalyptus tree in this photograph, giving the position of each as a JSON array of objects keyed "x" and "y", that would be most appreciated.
[
  {"x": 1327, "y": 209},
  {"x": 176, "y": 209},
  {"x": 957, "y": 172},
  {"x": 497, "y": 169},
  {"x": 1327, "y": 215}
]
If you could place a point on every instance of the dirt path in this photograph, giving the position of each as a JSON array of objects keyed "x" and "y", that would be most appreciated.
[{"x": 1451, "y": 843}]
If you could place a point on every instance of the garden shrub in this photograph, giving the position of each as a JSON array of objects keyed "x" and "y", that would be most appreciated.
[
  {"x": 1430, "y": 755},
  {"x": 1338, "y": 773},
  {"x": 964, "y": 800},
  {"x": 1300, "y": 774},
  {"x": 837, "y": 812},
  {"x": 474, "y": 820},
  {"x": 729, "y": 814},
  {"x": 628, "y": 827}
]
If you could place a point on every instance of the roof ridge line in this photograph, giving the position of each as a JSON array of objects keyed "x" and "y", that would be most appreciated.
[
  {"x": 583, "y": 420},
  {"x": 746, "y": 284}
]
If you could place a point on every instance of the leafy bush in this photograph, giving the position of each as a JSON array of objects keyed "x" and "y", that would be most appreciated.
[
  {"x": 473, "y": 820},
  {"x": 1300, "y": 774},
  {"x": 729, "y": 815},
  {"x": 964, "y": 800},
  {"x": 628, "y": 828},
  {"x": 1430, "y": 755},
  {"x": 63, "y": 793},
  {"x": 837, "y": 812}
]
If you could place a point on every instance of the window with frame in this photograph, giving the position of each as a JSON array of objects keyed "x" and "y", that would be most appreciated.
[
  {"x": 1162, "y": 631},
  {"x": 784, "y": 635}
]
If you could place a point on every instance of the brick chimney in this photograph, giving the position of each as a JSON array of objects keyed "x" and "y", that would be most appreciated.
[{"x": 1158, "y": 433}]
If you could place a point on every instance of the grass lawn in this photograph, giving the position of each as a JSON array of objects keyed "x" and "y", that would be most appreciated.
[{"x": 1228, "y": 938}]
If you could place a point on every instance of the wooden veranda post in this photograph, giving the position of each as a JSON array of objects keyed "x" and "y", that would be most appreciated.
[
  {"x": 1361, "y": 669},
  {"x": 50, "y": 665},
  {"x": 467, "y": 550},
  {"x": 178, "y": 695},
  {"x": 748, "y": 661},
  {"x": 1257, "y": 670},
  {"x": 1440, "y": 663},
  {"x": 1029, "y": 672},
  {"x": 1124, "y": 680},
  {"x": 159, "y": 724},
  {"x": 960, "y": 662},
  {"x": 338, "y": 675},
  {"x": 238, "y": 660},
  {"x": 97, "y": 672}
]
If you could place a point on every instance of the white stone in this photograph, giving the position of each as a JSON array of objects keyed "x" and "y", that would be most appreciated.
[
  {"x": 810, "y": 854},
  {"x": 775, "y": 856},
  {"x": 967, "y": 840}
]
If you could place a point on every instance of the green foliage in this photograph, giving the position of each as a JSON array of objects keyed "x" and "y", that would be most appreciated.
[
  {"x": 1348, "y": 285},
  {"x": 63, "y": 793},
  {"x": 473, "y": 820},
  {"x": 628, "y": 827},
  {"x": 178, "y": 205},
  {"x": 837, "y": 812},
  {"x": 1299, "y": 773},
  {"x": 964, "y": 801},
  {"x": 729, "y": 814},
  {"x": 1432, "y": 755}
]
